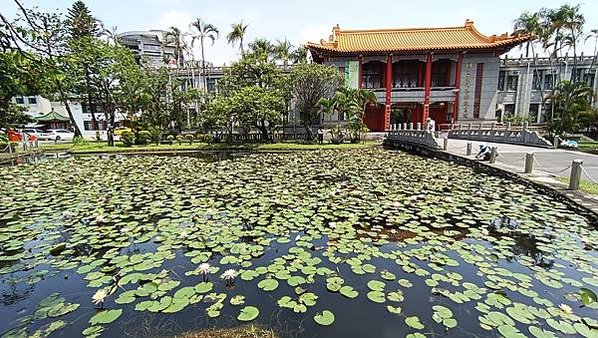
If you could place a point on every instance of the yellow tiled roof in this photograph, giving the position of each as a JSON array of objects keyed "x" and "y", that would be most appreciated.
[{"x": 414, "y": 39}]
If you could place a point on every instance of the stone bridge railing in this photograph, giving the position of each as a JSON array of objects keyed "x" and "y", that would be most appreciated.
[
  {"x": 520, "y": 136},
  {"x": 406, "y": 134}
]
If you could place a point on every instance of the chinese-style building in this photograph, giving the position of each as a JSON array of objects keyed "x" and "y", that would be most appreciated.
[{"x": 449, "y": 74}]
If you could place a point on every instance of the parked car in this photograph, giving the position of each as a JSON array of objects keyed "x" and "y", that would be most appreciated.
[
  {"x": 37, "y": 133},
  {"x": 61, "y": 134}
]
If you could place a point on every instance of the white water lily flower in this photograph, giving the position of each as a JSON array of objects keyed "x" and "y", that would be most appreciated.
[
  {"x": 99, "y": 296},
  {"x": 204, "y": 268},
  {"x": 229, "y": 274},
  {"x": 566, "y": 308}
]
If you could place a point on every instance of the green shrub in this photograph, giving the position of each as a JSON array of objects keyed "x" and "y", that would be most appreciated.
[
  {"x": 189, "y": 138},
  {"x": 203, "y": 138},
  {"x": 79, "y": 141},
  {"x": 170, "y": 139},
  {"x": 128, "y": 138},
  {"x": 180, "y": 139},
  {"x": 144, "y": 137},
  {"x": 155, "y": 134}
]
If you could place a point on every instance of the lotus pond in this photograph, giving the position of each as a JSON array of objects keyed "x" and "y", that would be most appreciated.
[{"x": 357, "y": 243}]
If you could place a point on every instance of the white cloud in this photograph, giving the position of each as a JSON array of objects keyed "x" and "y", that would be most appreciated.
[
  {"x": 176, "y": 18},
  {"x": 314, "y": 33}
]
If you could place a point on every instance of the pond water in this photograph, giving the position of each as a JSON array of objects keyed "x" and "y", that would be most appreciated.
[{"x": 363, "y": 243}]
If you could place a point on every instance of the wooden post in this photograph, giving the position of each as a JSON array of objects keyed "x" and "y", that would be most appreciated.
[
  {"x": 575, "y": 177},
  {"x": 445, "y": 144},
  {"x": 468, "y": 151},
  {"x": 529, "y": 163}
]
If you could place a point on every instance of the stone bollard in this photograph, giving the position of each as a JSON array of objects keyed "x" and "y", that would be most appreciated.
[
  {"x": 575, "y": 175},
  {"x": 410, "y": 125},
  {"x": 555, "y": 142},
  {"x": 493, "y": 154},
  {"x": 419, "y": 126},
  {"x": 508, "y": 125},
  {"x": 529, "y": 163},
  {"x": 404, "y": 125},
  {"x": 525, "y": 125},
  {"x": 445, "y": 144},
  {"x": 468, "y": 151}
]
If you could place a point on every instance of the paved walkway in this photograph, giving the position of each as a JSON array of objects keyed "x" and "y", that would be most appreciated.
[{"x": 547, "y": 161}]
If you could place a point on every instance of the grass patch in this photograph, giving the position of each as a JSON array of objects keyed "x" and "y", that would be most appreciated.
[
  {"x": 249, "y": 331},
  {"x": 585, "y": 186},
  {"x": 96, "y": 147}
]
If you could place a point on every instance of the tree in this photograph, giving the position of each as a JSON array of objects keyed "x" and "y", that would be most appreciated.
[
  {"x": 262, "y": 47},
  {"x": 204, "y": 31},
  {"x": 311, "y": 86},
  {"x": 258, "y": 107},
  {"x": 283, "y": 50},
  {"x": 299, "y": 55},
  {"x": 174, "y": 35},
  {"x": 237, "y": 34},
  {"x": 19, "y": 75},
  {"x": 81, "y": 23},
  {"x": 528, "y": 24},
  {"x": 571, "y": 103}
]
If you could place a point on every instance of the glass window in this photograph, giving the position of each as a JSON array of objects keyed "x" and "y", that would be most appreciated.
[
  {"x": 32, "y": 100},
  {"x": 20, "y": 100},
  {"x": 548, "y": 81},
  {"x": 440, "y": 73},
  {"x": 588, "y": 78},
  {"x": 537, "y": 82},
  {"x": 534, "y": 110},
  {"x": 372, "y": 75},
  {"x": 512, "y": 81},
  {"x": 405, "y": 74},
  {"x": 501, "y": 80},
  {"x": 211, "y": 85},
  {"x": 87, "y": 125}
]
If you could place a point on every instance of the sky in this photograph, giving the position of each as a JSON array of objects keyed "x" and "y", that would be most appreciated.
[{"x": 306, "y": 20}]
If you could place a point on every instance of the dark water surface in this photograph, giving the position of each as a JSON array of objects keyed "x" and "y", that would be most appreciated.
[{"x": 389, "y": 210}]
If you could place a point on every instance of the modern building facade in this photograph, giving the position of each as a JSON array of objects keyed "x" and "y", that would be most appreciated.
[
  {"x": 523, "y": 83},
  {"x": 449, "y": 74},
  {"x": 150, "y": 48}
]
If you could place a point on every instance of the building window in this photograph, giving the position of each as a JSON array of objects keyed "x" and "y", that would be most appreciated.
[
  {"x": 87, "y": 125},
  {"x": 509, "y": 110},
  {"x": 440, "y": 73},
  {"x": 372, "y": 75},
  {"x": 501, "y": 80},
  {"x": 537, "y": 82},
  {"x": 211, "y": 83},
  {"x": 588, "y": 78},
  {"x": 20, "y": 100},
  {"x": 512, "y": 81},
  {"x": 534, "y": 110},
  {"x": 32, "y": 100},
  {"x": 405, "y": 74},
  {"x": 548, "y": 81},
  {"x": 341, "y": 70}
]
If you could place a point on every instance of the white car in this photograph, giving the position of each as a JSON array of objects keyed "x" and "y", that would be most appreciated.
[
  {"x": 38, "y": 133},
  {"x": 61, "y": 135}
]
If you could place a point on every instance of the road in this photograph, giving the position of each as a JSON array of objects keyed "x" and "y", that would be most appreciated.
[{"x": 547, "y": 161}]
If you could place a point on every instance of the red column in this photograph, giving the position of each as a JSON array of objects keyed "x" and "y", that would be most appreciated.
[
  {"x": 388, "y": 92},
  {"x": 360, "y": 81},
  {"x": 457, "y": 86},
  {"x": 427, "y": 87}
]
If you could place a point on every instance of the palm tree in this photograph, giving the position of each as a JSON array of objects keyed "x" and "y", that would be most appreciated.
[
  {"x": 572, "y": 21},
  {"x": 593, "y": 34},
  {"x": 237, "y": 34},
  {"x": 174, "y": 35},
  {"x": 328, "y": 107},
  {"x": 299, "y": 55},
  {"x": 262, "y": 46},
  {"x": 204, "y": 31},
  {"x": 571, "y": 103},
  {"x": 112, "y": 35},
  {"x": 283, "y": 51},
  {"x": 528, "y": 24}
]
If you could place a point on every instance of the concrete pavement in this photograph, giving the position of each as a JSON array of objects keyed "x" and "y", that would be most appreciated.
[{"x": 547, "y": 162}]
